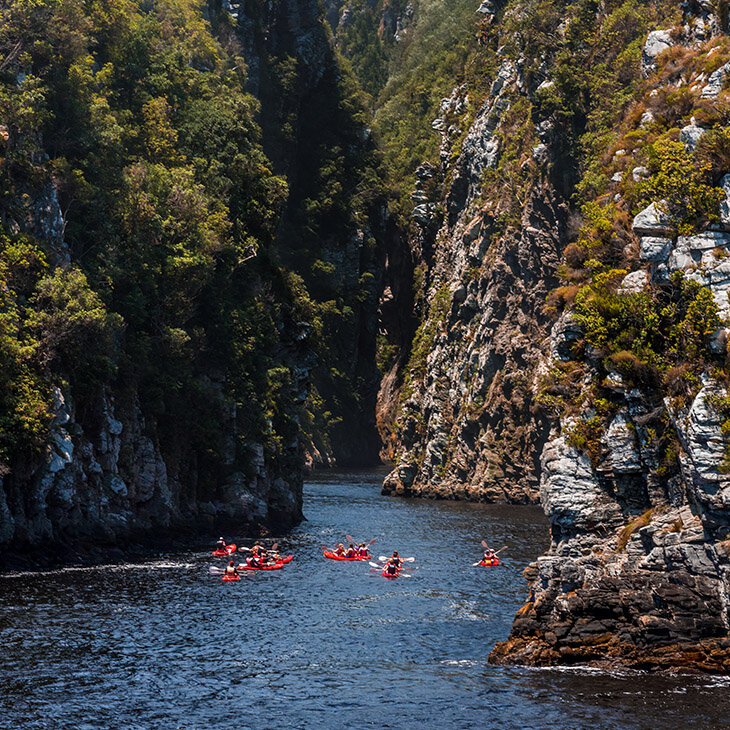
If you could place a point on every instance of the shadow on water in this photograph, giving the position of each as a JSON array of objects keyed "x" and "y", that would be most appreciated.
[{"x": 319, "y": 643}]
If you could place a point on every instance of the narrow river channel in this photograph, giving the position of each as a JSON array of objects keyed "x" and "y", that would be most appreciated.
[{"x": 319, "y": 644}]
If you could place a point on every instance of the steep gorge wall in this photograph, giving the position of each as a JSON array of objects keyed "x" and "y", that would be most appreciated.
[
  {"x": 486, "y": 256},
  {"x": 597, "y": 162}
]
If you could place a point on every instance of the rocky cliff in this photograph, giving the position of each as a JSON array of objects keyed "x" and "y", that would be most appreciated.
[
  {"x": 485, "y": 255},
  {"x": 569, "y": 253},
  {"x": 634, "y": 472}
]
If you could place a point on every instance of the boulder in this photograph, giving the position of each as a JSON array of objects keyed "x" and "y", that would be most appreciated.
[
  {"x": 653, "y": 221},
  {"x": 713, "y": 86},
  {"x": 634, "y": 282},
  {"x": 655, "y": 248},
  {"x": 690, "y": 135},
  {"x": 656, "y": 42}
]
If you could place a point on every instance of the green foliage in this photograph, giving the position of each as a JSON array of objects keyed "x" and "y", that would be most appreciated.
[
  {"x": 685, "y": 185},
  {"x": 425, "y": 338},
  {"x": 586, "y": 436},
  {"x": 658, "y": 328},
  {"x": 174, "y": 215}
]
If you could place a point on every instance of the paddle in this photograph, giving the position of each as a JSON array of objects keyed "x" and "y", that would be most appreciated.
[
  {"x": 355, "y": 542},
  {"x": 403, "y": 560}
]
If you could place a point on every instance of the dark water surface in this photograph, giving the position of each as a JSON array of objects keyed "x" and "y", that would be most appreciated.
[{"x": 319, "y": 644}]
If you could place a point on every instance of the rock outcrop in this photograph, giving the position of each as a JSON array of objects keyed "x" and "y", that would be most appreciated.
[
  {"x": 465, "y": 427},
  {"x": 634, "y": 474}
]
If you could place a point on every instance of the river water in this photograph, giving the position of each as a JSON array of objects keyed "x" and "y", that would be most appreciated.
[{"x": 319, "y": 644}]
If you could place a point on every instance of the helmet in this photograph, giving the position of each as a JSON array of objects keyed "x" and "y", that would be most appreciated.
[
  {"x": 231, "y": 563},
  {"x": 395, "y": 553}
]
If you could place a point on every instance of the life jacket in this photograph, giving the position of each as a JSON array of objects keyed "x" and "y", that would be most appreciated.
[{"x": 230, "y": 569}]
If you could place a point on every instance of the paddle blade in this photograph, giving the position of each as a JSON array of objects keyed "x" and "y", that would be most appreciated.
[
  {"x": 382, "y": 557},
  {"x": 485, "y": 544},
  {"x": 375, "y": 565},
  {"x": 244, "y": 550},
  {"x": 500, "y": 549},
  {"x": 477, "y": 563},
  {"x": 409, "y": 560},
  {"x": 375, "y": 539},
  {"x": 350, "y": 539}
]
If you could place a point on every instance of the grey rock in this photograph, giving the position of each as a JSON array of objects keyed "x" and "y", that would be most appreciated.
[
  {"x": 620, "y": 440},
  {"x": 634, "y": 282},
  {"x": 639, "y": 173},
  {"x": 647, "y": 118},
  {"x": 714, "y": 83},
  {"x": 653, "y": 221},
  {"x": 657, "y": 41},
  {"x": 655, "y": 249},
  {"x": 690, "y": 135},
  {"x": 725, "y": 204},
  {"x": 564, "y": 334}
]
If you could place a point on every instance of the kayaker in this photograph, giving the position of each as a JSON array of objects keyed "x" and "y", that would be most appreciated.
[
  {"x": 363, "y": 551},
  {"x": 255, "y": 561},
  {"x": 351, "y": 552},
  {"x": 391, "y": 568},
  {"x": 340, "y": 550},
  {"x": 395, "y": 559},
  {"x": 489, "y": 555},
  {"x": 230, "y": 568},
  {"x": 221, "y": 544}
]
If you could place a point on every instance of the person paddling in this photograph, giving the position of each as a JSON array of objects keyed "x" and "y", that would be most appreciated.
[
  {"x": 340, "y": 550},
  {"x": 221, "y": 545},
  {"x": 489, "y": 555},
  {"x": 391, "y": 568},
  {"x": 394, "y": 564},
  {"x": 230, "y": 568},
  {"x": 363, "y": 551},
  {"x": 351, "y": 552}
]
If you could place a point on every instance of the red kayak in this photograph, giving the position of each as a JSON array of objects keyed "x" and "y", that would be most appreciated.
[
  {"x": 334, "y": 556},
  {"x": 222, "y": 553},
  {"x": 230, "y": 578},
  {"x": 386, "y": 574},
  {"x": 285, "y": 560},
  {"x": 275, "y": 566},
  {"x": 491, "y": 561}
]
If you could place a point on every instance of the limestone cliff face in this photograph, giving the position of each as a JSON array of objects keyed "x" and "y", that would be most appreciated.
[
  {"x": 465, "y": 427},
  {"x": 638, "y": 493}
]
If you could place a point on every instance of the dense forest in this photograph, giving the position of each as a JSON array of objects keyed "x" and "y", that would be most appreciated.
[{"x": 179, "y": 250}]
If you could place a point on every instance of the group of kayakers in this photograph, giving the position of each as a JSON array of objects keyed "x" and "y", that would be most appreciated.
[
  {"x": 261, "y": 558},
  {"x": 361, "y": 551}
]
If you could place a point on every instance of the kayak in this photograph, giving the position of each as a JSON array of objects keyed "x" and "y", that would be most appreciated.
[
  {"x": 334, "y": 556},
  {"x": 230, "y": 578},
  {"x": 386, "y": 574},
  {"x": 491, "y": 561},
  {"x": 275, "y": 566},
  {"x": 222, "y": 553},
  {"x": 285, "y": 560}
]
